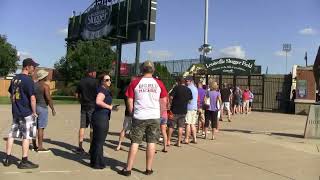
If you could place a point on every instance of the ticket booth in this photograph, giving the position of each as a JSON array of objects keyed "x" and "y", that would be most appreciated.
[{"x": 305, "y": 90}]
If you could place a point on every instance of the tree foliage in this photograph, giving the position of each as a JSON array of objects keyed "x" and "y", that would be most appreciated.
[
  {"x": 162, "y": 72},
  {"x": 97, "y": 53},
  {"x": 8, "y": 57}
]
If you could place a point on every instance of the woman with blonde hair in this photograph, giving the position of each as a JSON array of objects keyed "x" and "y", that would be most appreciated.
[{"x": 212, "y": 114}]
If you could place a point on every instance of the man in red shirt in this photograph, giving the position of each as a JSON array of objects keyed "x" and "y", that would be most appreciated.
[{"x": 147, "y": 96}]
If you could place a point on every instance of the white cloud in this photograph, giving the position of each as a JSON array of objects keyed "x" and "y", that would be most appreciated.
[
  {"x": 308, "y": 31},
  {"x": 63, "y": 31},
  {"x": 233, "y": 51},
  {"x": 159, "y": 54},
  {"x": 281, "y": 53},
  {"x": 23, "y": 54}
]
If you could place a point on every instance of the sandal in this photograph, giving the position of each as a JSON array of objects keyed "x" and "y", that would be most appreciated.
[
  {"x": 165, "y": 151},
  {"x": 148, "y": 172},
  {"x": 125, "y": 172}
]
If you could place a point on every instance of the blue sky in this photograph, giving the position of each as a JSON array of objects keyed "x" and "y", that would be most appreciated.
[{"x": 251, "y": 29}]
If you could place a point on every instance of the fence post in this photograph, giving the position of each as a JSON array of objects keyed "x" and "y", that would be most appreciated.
[
  {"x": 207, "y": 79},
  {"x": 263, "y": 79},
  {"x": 220, "y": 81},
  {"x": 249, "y": 81}
]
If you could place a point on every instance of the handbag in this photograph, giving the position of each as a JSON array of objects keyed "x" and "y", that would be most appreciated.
[{"x": 207, "y": 99}]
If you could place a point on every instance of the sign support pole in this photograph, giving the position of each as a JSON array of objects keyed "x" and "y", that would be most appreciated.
[
  {"x": 136, "y": 69},
  {"x": 118, "y": 64}
]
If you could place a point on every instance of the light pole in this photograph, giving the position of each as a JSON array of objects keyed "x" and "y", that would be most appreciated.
[
  {"x": 205, "y": 48},
  {"x": 286, "y": 48}
]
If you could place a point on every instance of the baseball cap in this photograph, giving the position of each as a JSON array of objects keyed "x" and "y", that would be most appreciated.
[
  {"x": 148, "y": 64},
  {"x": 29, "y": 62},
  {"x": 90, "y": 69},
  {"x": 147, "y": 67},
  {"x": 189, "y": 78}
]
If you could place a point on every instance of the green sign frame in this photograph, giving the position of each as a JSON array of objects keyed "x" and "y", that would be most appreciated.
[{"x": 230, "y": 66}]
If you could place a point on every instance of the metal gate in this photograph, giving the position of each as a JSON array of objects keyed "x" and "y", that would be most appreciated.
[{"x": 271, "y": 92}]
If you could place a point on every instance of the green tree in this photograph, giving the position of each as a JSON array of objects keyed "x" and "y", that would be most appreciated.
[
  {"x": 8, "y": 57},
  {"x": 97, "y": 53},
  {"x": 162, "y": 72}
]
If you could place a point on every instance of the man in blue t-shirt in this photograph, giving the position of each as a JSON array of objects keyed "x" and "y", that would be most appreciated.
[
  {"x": 192, "y": 116},
  {"x": 23, "y": 102}
]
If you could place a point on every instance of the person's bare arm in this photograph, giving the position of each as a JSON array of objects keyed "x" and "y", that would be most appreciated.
[
  {"x": 163, "y": 106},
  {"x": 33, "y": 105},
  {"x": 49, "y": 99},
  {"x": 101, "y": 103},
  {"x": 130, "y": 105},
  {"x": 220, "y": 101}
]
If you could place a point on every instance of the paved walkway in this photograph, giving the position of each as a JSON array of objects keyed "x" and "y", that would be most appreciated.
[{"x": 258, "y": 146}]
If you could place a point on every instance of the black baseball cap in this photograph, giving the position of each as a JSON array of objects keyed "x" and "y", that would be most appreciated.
[
  {"x": 189, "y": 78},
  {"x": 29, "y": 62},
  {"x": 90, "y": 69}
]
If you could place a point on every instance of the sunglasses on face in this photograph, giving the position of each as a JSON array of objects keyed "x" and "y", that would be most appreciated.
[{"x": 107, "y": 80}]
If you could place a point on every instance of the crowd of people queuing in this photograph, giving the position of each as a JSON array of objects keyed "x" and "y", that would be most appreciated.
[{"x": 150, "y": 111}]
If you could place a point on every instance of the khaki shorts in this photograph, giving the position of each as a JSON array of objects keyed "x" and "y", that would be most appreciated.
[
  {"x": 149, "y": 128},
  {"x": 225, "y": 106},
  {"x": 246, "y": 104},
  {"x": 191, "y": 117},
  {"x": 201, "y": 116}
]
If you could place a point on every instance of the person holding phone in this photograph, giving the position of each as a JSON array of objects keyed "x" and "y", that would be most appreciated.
[{"x": 100, "y": 122}]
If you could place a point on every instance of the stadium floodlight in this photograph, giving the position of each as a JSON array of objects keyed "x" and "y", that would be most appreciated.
[
  {"x": 206, "y": 48},
  {"x": 286, "y": 48}
]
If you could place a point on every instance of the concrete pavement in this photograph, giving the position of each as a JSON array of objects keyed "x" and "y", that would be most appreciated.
[{"x": 260, "y": 145}]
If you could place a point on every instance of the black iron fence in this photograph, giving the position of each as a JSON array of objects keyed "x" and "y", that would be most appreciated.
[{"x": 271, "y": 92}]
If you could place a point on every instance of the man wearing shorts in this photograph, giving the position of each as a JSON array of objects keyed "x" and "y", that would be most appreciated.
[
  {"x": 86, "y": 92},
  {"x": 179, "y": 97},
  {"x": 192, "y": 116},
  {"x": 126, "y": 122},
  {"x": 43, "y": 97},
  {"x": 23, "y": 101},
  {"x": 146, "y": 97},
  {"x": 225, "y": 97},
  {"x": 201, "y": 108}
]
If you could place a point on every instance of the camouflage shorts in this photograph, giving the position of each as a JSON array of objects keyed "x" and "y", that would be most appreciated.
[{"x": 150, "y": 129}]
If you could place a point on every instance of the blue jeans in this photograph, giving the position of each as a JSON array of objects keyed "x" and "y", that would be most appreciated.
[{"x": 42, "y": 116}]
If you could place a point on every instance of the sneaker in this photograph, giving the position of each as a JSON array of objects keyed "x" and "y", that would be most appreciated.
[
  {"x": 42, "y": 150},
  {"x": 27, "y": 165},
  {"x": 148, "y": 172},
  {"x": 125, "y": 172},
  {"x": 7, "y": 162}
]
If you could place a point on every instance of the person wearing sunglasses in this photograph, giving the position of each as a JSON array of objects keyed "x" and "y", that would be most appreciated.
[{"x": 100, "y": 122}]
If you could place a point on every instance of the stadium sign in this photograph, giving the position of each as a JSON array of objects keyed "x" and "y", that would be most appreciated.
[
  {"x": 97, "y": 22},
  {"x": 230, "y": 66}
]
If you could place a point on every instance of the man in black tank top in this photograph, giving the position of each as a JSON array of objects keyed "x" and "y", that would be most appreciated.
[{"x": 43, "y": 97}]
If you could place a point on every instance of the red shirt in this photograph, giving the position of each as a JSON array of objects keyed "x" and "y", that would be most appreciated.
[{"x": 245, "y": 96}]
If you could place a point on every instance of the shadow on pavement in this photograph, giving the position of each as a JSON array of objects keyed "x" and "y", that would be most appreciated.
[
  {"x": 266, "y": 133},
  {"x": 14, "y": 159},
  {"x": 70, "y": 156},
  {"x": 61, "y": 144}
]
